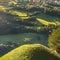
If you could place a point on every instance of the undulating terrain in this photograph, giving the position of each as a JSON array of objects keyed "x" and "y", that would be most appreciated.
[{"x": 29, "y": 23}]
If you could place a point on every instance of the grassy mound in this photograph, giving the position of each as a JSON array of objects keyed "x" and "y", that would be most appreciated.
[{"x": 30, "y": 52}]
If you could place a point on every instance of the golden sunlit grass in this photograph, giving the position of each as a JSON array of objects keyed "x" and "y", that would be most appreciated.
[
  {"x": 2, "y": 8},
  {"x": 13, "y": 2},
  {"x": 18, "y": 13},
  {"x": 44, "y": 22},
  {"x": 13, "y": 12},
  {"x": 30, "y": 52}
]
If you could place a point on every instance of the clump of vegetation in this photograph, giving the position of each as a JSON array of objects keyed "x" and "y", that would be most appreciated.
[
  {"x": 54, "y": 40},
  {"x": 30, "y": 52}
]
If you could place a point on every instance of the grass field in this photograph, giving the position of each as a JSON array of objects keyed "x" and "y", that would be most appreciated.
[{"x": 26, "y": 38}]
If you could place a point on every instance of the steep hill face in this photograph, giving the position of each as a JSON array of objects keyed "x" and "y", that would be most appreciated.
[{"x": 30, "y": 52}]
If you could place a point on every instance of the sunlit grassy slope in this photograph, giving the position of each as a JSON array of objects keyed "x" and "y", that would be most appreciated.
[
  {"x": 31, "y": 52},
  {"x": 45, "y": 20},
  {"x": 18, "y": 13},
  {"x": 13, "y": 12}
]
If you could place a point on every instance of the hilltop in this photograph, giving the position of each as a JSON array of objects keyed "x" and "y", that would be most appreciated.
[{"x": 31, "y": 52}]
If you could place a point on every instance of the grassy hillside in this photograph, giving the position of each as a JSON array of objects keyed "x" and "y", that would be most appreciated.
[
  {"x": 31, "y": 52},
  {"x": 45, "y": 22},
  {"x": 8, "y": 10},
  {"x": 24, "y": 15},
  {"x": 16, "y": 40},
  {"x": 32, "y": 26},
  {"x": 23, "y": 21}
]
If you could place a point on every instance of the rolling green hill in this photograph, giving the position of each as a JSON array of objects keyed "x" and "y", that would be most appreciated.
[
  {"x": 31, "y": 52},
  {"x": 25, "y": 28}
]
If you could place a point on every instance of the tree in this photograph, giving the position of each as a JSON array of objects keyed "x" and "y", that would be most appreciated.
[{"x": 54, "y": 40}]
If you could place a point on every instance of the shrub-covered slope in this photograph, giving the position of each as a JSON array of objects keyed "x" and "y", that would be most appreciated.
[{"x": 30, "y": 52}]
